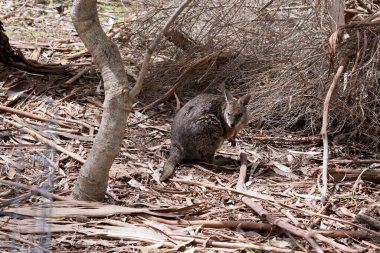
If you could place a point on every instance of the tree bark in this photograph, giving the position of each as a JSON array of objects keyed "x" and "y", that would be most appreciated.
[
  {"x": 93, "y": 176},
  {"x": 336, "y": 12}
]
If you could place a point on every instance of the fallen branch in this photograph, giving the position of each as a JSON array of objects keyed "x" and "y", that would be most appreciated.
[
  {"x": 42, "y": 139},
  {"x": 258, "y": 226},
  {"x": 311, "y": 139},
  {"x": 309, "y": 236},
  {"x": 11, "y": 13},
  {"x": 316, "y": 220},
  {"x": 276, "y": 204},
  {"x": 372, "y": 175},
  {"x": 32, "y": 116},
  {"x": 360, "y": 24},
  {"x": 72, "y": 208},
  {"x": 33, "y": 189},
  {"x": 12, "y": 58},
  {"x": 18, "y": 200},
  {"x": 17, "y": 238},
  {"x": 78, "y": 75},
  {"x": 146, "y": 118},
  {"x": 350, "y": 161},
  {"x": 255, "y": 206},
  {"x": 372, "y": 222},
  {"x": 130, "y": 232},
  {"x": 324, "y": 128},
  {"x": 237, "y": 245}
]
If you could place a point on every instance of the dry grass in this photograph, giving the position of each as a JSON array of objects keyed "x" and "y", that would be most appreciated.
[{"x": 282, "y": 59}]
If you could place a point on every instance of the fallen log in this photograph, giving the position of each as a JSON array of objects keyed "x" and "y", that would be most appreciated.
[{"x": 372, "y": 175}]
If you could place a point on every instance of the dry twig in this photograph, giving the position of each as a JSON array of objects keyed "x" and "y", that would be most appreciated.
[
  {"x": 324, "y": 129},
  {"x": 42, "y": 139},
  {"x": 32, "y": 116},
  {"x": 17, "y": 238},
  {"x": 342, "y": 174},
  {"x": 149, "y": 51},
  {"x": 42, "y": 192},
  {"x": 276, "y": 204},
  {"x": 182, "y": 78},
  {"x": 258, "y": 226},
  {"x": 307, "y": 235}
]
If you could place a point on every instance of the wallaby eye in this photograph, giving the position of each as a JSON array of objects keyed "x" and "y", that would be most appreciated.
[{"x": 239, "y": 115}]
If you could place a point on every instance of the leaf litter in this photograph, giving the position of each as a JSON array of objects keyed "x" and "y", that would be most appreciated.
[{"x": 142, "y": 214}]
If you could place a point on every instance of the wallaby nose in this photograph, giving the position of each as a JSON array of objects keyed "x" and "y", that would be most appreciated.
[{"x": 233, "y": 124}]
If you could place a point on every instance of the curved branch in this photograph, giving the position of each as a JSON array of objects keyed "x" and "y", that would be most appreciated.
[
  {"x": 324, "y": 128},
  {"x": 93, "y": 176},
  {"x": 309, "y": 236},
  {"x": 149, "y": 51}
]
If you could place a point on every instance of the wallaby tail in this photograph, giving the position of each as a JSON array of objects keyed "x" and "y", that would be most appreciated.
[{"x": 169, "y": 166}]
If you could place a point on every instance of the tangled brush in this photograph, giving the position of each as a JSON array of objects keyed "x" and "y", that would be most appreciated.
[{"x": 284, "y": 54}]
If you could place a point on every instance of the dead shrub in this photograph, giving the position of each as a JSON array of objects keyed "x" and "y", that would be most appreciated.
[{"x": 279, "y": 53}]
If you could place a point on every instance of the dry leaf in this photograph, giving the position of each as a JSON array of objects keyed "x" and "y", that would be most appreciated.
[{"x": 11, "y": 172}]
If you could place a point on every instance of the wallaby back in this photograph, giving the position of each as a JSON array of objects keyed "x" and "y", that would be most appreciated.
[{"x": 202, "y": 125}]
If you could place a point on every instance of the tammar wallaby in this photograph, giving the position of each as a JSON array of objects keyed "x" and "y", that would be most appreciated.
[{"x": 202, "y": 125}]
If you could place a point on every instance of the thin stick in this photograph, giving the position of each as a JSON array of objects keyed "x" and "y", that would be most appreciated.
[
  {"x": 244, "y": 193},
  {"x": 348, "y": 161},
  {"x": 10, "y": 14},
  {"x": 357, "y": 181},
  {"x": 309, "y": 236},
  {"x": 17, "y": 238},
  {"x": 42, "y": 192},
  {"x": 260, "y": 226},
  {"x": 18, "y": 199},
  {"x": 258, "y": 208},
  {"x": 42, "y": 139},
  {"x": 146, "y": 118},
  {"x": 32, "y": 116},
  {"x": 311, "y": 139},
  {"x": 324, "y": 129},
  {"x": 78, "y": 75},
  {"x": 183, "y": 77},
  {"x": 230, "y": 245},
  {"x": 149, "y": 51}
]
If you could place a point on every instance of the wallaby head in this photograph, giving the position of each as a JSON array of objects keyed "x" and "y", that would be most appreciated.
[{"x": 235, "y": 112}]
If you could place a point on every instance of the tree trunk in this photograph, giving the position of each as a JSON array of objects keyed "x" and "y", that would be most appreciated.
[
  {"x": 93, "y": 176},
  {"x": 7, "y": 55}
]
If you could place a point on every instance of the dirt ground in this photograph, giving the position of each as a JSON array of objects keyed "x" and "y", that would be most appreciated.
[{"x": 283, "y": 171}]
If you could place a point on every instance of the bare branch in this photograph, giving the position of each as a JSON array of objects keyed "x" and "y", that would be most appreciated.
[
  {"x": 149, "y": 51},
  {"x": 324, "y": 128}
]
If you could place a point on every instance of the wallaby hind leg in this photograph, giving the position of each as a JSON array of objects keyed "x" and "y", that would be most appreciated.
[
  {"x": 169, "y": 167},
  {"x": 210, "y": 158}
]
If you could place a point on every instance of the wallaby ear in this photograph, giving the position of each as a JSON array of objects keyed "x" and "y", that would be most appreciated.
[
  {"x": 228, "y": 96},
  {"x": 245, "y": 99}
]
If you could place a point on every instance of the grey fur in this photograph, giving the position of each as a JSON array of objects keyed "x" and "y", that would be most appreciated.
[{"x": 200, "y": 128}]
